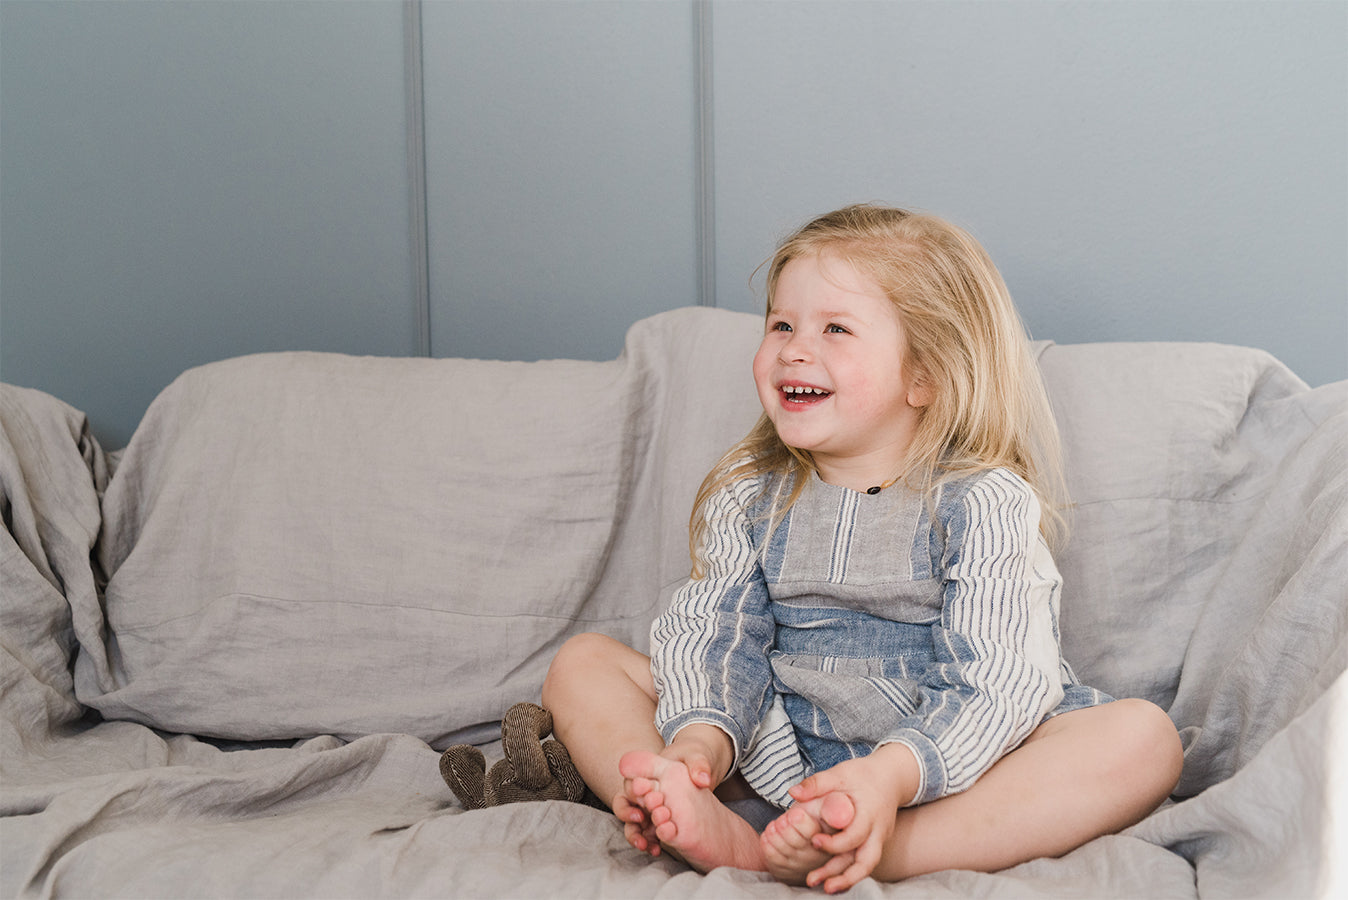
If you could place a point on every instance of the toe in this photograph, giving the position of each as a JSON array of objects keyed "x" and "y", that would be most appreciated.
[
  {"x": 638, "y": 764},
  {"x": 776, "y": 837},
  {"x": 792, "y": 830},
  {"x": 836, "y": 811},
  {"x": 667, "y": 832}
]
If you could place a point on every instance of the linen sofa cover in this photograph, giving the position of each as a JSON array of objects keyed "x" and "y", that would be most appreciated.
[{"x": 232, "y": 650}]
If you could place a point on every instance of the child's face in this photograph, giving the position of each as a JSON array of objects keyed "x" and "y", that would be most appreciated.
[{"x": 830, "y": 372}]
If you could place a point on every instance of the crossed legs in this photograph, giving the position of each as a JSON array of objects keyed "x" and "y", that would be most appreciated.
[{"x": 1078, "y": 776}]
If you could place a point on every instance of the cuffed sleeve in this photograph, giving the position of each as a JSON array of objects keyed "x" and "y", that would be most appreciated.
[
  {"x": 996, "y": 643},
  {"x": 709, "y": 650}
]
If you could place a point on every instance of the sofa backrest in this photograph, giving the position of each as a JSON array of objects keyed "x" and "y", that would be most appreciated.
[
  {"x": 304, "y": 543},
  {"x": 299, "y": 544}
]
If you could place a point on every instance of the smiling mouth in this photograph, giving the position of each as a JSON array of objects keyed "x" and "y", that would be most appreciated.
[{"x": 801, "y": 395}]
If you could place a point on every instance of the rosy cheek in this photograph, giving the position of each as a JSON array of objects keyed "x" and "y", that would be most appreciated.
[{"x": 763, "y": 369}]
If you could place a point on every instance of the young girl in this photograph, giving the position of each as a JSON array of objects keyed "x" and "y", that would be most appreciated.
[{"x": 870, "y": 636}]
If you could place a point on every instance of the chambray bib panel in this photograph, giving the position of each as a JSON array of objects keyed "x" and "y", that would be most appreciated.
[{"x": 857, "y": 620}]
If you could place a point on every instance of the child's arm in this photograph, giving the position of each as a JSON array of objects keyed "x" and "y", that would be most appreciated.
[
  {"x": 996, "y": 638},
  {"x": 709, "y": 650},
  {"x": 878, "y": 786}
]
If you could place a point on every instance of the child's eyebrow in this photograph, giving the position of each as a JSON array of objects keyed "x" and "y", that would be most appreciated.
[
  {"x": 823, "y": 313},
  {"x": 840, "y": 314}
]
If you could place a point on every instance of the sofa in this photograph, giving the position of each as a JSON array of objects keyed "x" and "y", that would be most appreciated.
[{"x": 234, "y": 649}]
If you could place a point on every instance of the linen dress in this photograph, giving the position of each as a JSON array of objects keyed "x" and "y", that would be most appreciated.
[{"x": 861, "y": 619}]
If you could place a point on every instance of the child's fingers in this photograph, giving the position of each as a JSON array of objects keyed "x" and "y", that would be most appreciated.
[
  {"x": 627, "y": 811},
  {"x": 842, "y": 842},
  {"x": 807, "y": 790},
  {"x": 695, "y": 761},
  {"x": 866, "y": 858},
  {"x": 642, "y": 839},
  {"x": 835, "y": 866},
  {"x": 699, "y": 771},
  {"x": 847, "y": 880},
  {"x": 817, "y": 785}
]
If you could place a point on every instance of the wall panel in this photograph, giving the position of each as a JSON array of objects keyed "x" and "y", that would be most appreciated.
[
  {"x": 1139, "y": 171},
  {"x": 183, "y": 182},
  {"x": 561, "y": 172}
]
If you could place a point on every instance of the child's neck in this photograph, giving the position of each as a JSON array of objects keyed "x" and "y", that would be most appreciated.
[{"x": 864, "y": 475}]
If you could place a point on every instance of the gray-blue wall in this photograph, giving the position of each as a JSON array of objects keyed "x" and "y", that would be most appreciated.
[{"x": 182, "y": 182}]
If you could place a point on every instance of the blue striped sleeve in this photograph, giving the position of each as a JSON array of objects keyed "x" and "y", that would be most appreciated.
[
  {"x": 709, "y": 650},
  {"x": 996, "y": 641}
]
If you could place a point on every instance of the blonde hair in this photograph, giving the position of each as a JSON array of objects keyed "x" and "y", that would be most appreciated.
[{"x": 966, "y": 344}]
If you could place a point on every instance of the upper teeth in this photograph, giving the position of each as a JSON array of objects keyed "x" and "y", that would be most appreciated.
[{"x": 796, "y": 389}]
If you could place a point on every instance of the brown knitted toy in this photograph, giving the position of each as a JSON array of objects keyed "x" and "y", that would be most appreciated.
[{"x": 533, "y": 769}]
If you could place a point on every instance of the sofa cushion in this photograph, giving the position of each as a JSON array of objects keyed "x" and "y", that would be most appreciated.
[{"x": 1209, "y": 548}]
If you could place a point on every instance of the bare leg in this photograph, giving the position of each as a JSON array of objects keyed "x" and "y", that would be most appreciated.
[
  {"x": 1080, "y": 775},
  {"x": 602, "y": 699}
]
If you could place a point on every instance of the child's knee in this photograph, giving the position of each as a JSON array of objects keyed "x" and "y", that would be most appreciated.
[
  {"x": 1149, "y": 741},
  {"x": 1166, "y": 746},
  {"x": 575, "y": 664},
  {"x": 569, "y": 663}
]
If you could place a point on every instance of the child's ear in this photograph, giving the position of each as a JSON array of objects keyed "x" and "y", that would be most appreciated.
[{"x": 919, "y": 390}]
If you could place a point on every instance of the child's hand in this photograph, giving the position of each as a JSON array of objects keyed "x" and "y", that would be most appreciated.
[
  {"x": 705, "y": 750},
  {"x": 637, "y": 826},
  {"x": 878, "y": 785}
]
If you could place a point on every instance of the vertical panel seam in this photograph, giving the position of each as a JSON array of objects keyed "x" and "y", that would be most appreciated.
[
  {"x": 419, "y": 240},
  {"x": 706, "y": 162}
]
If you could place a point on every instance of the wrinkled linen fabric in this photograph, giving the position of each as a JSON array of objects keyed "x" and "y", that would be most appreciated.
[{"x": 229, "y": 653}]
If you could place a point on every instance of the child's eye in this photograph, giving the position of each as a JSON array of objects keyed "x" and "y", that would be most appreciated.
[
  {"x": 836, "y": 329},
  {"x": 780, "y": 326}
]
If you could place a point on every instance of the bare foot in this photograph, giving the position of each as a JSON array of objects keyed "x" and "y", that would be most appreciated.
[
  {"x": 688, "y": 820},
  {"x": 788, "y": 841}
]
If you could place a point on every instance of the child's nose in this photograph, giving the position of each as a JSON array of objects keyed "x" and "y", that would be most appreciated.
[{"x": 797, "y": 349}]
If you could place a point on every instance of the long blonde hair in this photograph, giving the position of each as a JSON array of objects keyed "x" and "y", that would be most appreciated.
[{"x": 966, "y": 344}]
